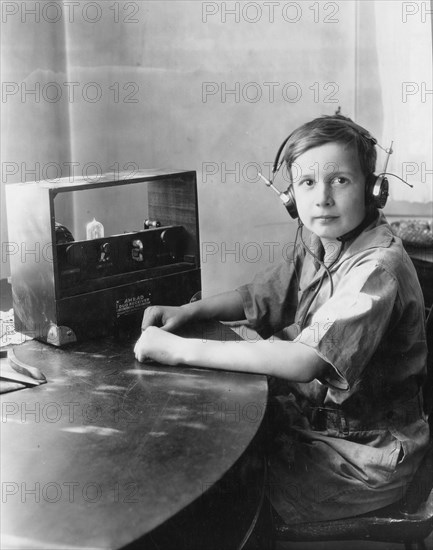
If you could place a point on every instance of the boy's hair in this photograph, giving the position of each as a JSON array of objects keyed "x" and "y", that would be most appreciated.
[{"x": 328, "y": 129}]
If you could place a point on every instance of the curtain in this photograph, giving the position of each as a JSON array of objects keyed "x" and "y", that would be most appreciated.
[{"x": 404, "y": 50}]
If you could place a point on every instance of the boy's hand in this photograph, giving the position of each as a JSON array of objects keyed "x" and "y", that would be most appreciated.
[
  {"x": 168, "y": 318},
  {"x": 156, "y": 344}
]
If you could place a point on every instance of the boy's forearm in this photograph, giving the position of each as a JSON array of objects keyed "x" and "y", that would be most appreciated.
[
  {"x": 282, "y": 359},
  {"x": 222, "y": 307}
]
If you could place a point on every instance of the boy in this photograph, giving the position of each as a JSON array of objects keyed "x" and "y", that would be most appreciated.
[{"x": 348, "y": 345}]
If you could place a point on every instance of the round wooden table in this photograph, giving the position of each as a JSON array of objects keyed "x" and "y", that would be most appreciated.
[{"x": 112, "y": 453}]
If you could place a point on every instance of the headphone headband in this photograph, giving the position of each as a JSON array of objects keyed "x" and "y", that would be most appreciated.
[{"x": 361, "y": 131}]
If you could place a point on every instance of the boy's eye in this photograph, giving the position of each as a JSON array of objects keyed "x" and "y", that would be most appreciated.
[
  {"x": 339, "y": 180},
  {"x": 307, "y": 182}
]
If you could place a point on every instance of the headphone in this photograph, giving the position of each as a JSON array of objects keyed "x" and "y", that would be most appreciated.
[{"x": 376, "y": 186}]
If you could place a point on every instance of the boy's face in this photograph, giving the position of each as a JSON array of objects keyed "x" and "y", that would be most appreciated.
[{"x": 329, "y": 188}]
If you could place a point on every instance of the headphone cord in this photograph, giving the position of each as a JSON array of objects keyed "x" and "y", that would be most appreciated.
[
  {"x": 327, "y": 269},
  {"x": 298, "y": 230},
  {"x": 395, "y": 175}
]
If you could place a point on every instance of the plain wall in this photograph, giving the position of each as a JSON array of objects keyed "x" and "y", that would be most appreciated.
[{"x": 162, "y": 63}]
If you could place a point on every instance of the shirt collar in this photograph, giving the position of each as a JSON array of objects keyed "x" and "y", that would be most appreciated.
[{"x": 377, "y": 234}]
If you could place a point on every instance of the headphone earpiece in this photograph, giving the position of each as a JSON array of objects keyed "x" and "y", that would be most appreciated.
[
  {"x": 376, "y": 190},
  {"x": 290, "y": 204}
]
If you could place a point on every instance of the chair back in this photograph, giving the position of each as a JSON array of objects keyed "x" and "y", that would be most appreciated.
[
  {"x": 419, "y": 489},
  {"x": 428, "y": 385}
]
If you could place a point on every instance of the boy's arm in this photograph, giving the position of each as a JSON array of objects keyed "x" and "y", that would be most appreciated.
[
  {"x": 227, "y": 306},
  {"x": 289, "y": 360},
  {"x": 223, "y": 307},
  {"x": 282, "y": 359}
]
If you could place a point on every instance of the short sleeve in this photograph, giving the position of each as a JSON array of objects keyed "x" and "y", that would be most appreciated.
[
  {"x": 270, "y": 300},
  {"x": 347, "y": 330}
]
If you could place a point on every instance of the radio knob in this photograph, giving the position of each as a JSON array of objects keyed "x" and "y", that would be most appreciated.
[
  {"x": 105, "y": 252},
  {"x": 137, "y": 250}
]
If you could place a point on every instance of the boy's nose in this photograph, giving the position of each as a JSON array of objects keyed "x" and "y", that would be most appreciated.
[{"x": 323, "y": 195}]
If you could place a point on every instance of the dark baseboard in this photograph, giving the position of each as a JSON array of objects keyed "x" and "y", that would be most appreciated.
[{"x": 5, "y": 295}]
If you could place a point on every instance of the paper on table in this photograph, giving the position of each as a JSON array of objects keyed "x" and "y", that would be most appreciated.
[{"x": 7, "y": 330}]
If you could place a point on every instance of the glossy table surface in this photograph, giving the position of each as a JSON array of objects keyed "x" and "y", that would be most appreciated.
[{"x": 108, "y": 449}]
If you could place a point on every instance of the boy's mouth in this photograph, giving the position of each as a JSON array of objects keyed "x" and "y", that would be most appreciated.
[{"x": 326, "y": 219}]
